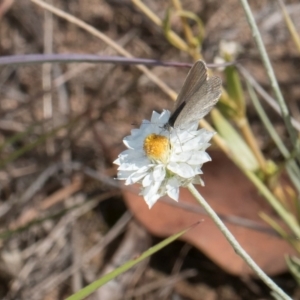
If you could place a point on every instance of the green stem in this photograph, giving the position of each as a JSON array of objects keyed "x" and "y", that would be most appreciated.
[
  {"x": 291, "y": 165},
  {"x": 265, "y": 58},
  {"x": 236, "y": 246},
  {"x": 287, "y": 217}
]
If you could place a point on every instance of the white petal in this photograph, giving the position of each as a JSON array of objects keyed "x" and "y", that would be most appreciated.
[
  {"x": 188, "y": 127},
  {"x": 205, "y": 146},
  {"x": 133, "y": 166},
  {"x": 194, "y": 125},
  {"x": 172, "y": 187},
  {"x": 151, "y": 194},
  {"x": 206, "y": 135},
  {"x": 148, "y": 179},
  {"x": 123, "y": 155},
  {"x": 159, "y": 173},
  {"x": 145, "y": 124},
  {"x": 164, "y": 117},
  {"x": 137, "y": 132},
  {"x": 192, "y": 144},
  {"x": 117, "y": 161},
  {"x": 198, "y": 158},
  {"x": 130, "y": 155},
  {"x": 184, "y": 144},
  {"x": 123, "y": 175},
  {"x": 134, "y": 132},
  {"x": 155, "y": 117},
  {"x": 198, "y": 180},
  {"x": 182, "y": 136},
  {"x": 135, "y": 160},
  {"x": 136, "y": 176},
  {"x": 181, "y": 157},
  {"x": 176, "y": 138},
  {"x": 135, "y": 142},
  {"x": 182, "y": 169},
  {"x": 151, "y": 200},
  {"x": 197, "y": 169},
  {"x": 192, "y": 141}
]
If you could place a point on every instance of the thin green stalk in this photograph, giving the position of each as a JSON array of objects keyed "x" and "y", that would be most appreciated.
[
  {"x": 286, "y": 216},
  {"x": 11, "y": 232},
  {"x": 18, "y": 136},
  {"x": 263, "y": 116},
  {"x": 155, "y": 19},
  {"x": 291, "y": 165},
  {"x": 266, "y": 61},
  {"x": 235, "y": 89},
  {"x": 186, "y": 27},
  {"x": 13, "y": 156},
  {"x": 290, "y": 25},
  {"x": 91, "y": 288},
  {"x": 271, "y": 102},
  {"x": 236, "y": 246}
]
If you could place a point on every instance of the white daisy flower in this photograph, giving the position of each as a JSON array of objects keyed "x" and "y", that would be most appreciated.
[{"x": 163, "y": 159}]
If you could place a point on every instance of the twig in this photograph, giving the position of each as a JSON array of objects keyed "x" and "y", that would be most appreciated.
[
  {"x": 108, "y": 41},
  {"x": 168, "y": 282},
  {"x": 116, "y": 230},
  {"x": 46, "y": 76}
]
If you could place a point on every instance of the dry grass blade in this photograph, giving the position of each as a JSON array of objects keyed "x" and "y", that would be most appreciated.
[
  {"x": 55, "y": 280},
  {"x": 108, "y": 41}
]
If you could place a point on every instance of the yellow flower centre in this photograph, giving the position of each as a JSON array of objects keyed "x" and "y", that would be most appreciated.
[{"x": 157, "y": 147}]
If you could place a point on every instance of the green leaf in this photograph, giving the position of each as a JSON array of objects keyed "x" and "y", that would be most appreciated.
[
  {"x": 234, "y": 88},
  {"x": 294, "y": 266},
  {"x": 106, "y": 278},
  {"x": 238, "y": 147}
]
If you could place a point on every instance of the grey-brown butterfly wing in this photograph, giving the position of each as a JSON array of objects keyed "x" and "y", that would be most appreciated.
[
  {"x": 194, "y": 79},
  {"x": 201, "y": 102}
]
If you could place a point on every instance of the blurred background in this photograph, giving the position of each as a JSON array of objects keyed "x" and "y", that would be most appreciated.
[{"x": 64, "y": 220}]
